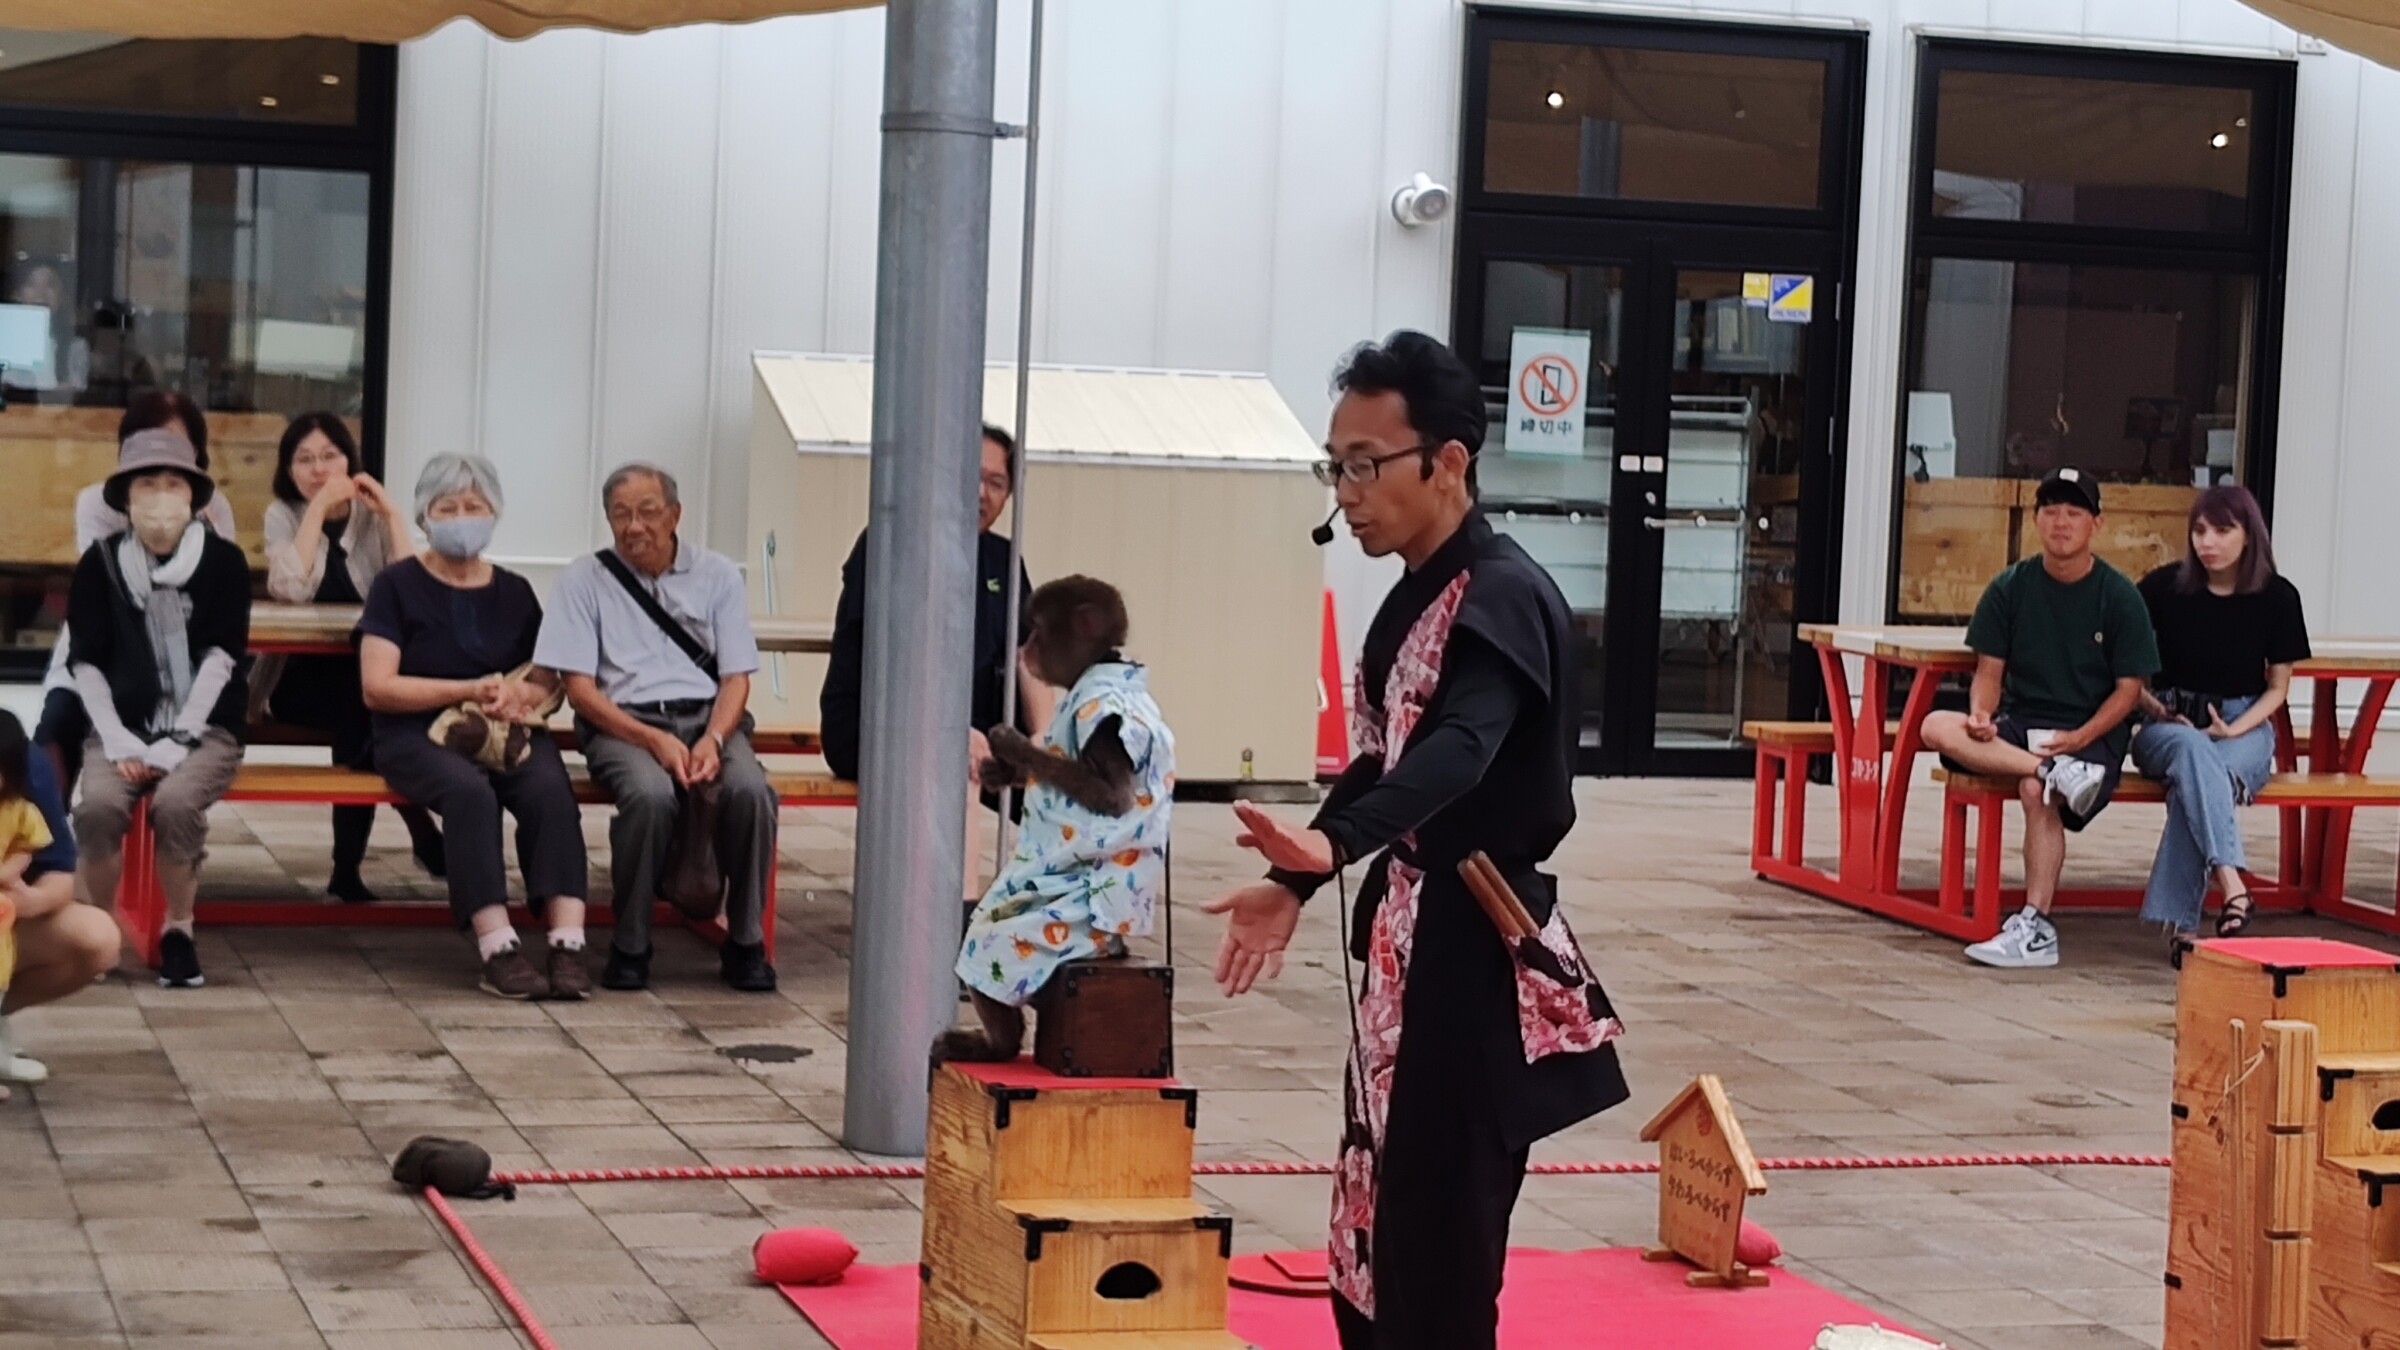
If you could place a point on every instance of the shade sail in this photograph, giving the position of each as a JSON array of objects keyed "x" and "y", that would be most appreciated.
[
  {"x": 2370, "y": 28},
  {"x": 383, "y": 20}
]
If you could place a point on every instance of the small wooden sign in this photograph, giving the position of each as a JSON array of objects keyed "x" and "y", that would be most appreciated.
[{"x": 1706, "y": 1174}]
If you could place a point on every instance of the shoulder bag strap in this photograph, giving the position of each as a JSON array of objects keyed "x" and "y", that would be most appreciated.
[{"x": 675, "y": 632}]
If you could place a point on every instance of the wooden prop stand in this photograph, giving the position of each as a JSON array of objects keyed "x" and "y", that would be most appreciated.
[{"x": 1706, "y": 1174}]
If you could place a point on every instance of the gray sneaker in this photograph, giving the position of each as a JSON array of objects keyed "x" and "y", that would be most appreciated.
[
  {"x": 2026, "y": 942},
  {"x": 2075, "y": 783},
  {"x": 510, "y": 975}
]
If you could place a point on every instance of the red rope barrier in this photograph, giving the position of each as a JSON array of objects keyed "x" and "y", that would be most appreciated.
[
  {"x": 915, "y": 1171},
  {"x": 491, "y": 1271}
]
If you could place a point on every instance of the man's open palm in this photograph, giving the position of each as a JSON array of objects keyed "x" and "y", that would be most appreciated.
[
  {"x": 1294, "y": 850},
  {"x": 1259, "y": 920}
]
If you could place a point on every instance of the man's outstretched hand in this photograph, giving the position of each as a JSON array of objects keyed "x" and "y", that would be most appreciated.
[
  {"x": 1259, "y": 920},
  {"x": 1293, "y": 850}
]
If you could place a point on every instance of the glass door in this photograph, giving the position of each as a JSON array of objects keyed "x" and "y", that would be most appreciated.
[
  {"x": 1684, "y": 516},
  {"x": 1727, "y": 526}
]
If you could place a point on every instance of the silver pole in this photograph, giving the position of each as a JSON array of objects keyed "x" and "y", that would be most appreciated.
[
  {"x": 1016, "y": 493},
  {"x": 932, "y": 275}
]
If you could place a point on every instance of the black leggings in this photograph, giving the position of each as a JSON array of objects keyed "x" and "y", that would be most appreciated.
[{"x": 469, "y": 800}]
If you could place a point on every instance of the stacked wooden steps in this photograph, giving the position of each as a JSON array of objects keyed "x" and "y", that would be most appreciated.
[
  {"x": 1059, "y": 1215},
  {"x": 2284, "y": 1225}
]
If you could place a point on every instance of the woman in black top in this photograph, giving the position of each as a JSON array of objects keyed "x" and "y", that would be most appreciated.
[
  {"x": 447, "y": 628},
  {"x": 2229, "y": 631}
]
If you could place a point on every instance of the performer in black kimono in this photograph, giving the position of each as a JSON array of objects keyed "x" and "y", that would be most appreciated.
[{"x": 1466, "y": 1048}]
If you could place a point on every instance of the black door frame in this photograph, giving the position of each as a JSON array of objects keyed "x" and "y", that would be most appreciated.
[{"x": 1651, "y": 241}]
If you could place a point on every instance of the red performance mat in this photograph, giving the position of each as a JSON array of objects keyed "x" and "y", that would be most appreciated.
[{"x": 1547, "y": 1306}]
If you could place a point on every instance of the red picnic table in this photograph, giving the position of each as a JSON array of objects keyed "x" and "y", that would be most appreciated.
[
  {"x": 1875, "y": 760},
  {"x": 324, "y": 630}
]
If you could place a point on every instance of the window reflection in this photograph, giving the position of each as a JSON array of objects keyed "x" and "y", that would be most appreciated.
[
  {"x": 1577, "y": 120},
  {"x": 2073, "y": 150}
]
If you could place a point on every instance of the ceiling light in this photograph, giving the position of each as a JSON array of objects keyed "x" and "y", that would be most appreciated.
[
  {"x": 329, "y": 79},
  {"x": 1556, "y": 99},
  {"x": 2220, "y": 140},
  {"x": 267, "y": 100},
  {"x": 2241, "y": 121}
]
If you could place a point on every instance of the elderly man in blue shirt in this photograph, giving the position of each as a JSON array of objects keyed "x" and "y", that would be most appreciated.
[{"x": 653, "y": 638}]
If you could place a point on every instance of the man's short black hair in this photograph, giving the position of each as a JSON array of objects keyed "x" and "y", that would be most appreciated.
[
  {"x": 1007, "y": 444},
  {"x": 1445, "y": 400}
]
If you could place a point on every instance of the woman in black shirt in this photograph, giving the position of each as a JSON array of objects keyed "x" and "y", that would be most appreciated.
[{"x": 2230, "y": 630}]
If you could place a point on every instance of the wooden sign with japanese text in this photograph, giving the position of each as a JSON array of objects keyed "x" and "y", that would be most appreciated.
[{"x": 1706, "y": 1174}]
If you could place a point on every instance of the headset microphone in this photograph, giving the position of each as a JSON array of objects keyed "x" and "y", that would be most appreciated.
[{"x": 1323, "y": 534}]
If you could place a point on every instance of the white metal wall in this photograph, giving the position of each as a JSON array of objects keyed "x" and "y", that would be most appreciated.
[{"x": 595, "y": 231}]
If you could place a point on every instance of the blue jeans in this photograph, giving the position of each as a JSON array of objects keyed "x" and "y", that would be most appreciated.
[{"x": 2206, "y": 780}]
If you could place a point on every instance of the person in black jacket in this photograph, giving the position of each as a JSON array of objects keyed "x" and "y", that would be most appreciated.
[
  {"x": 158, "y": 622},
  {"x": 845, "y": 678}
]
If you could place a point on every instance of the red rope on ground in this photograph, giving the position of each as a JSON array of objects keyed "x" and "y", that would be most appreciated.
[
  {"x": 914, "y": 1171},
  {"x": 491, "y": 1272}
]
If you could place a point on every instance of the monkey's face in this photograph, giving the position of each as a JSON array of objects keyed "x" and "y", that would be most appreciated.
[{"x": 1053, "y": 653}]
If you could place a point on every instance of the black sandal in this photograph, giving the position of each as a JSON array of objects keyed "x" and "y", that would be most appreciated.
[{"x": 2235, "y": 916}]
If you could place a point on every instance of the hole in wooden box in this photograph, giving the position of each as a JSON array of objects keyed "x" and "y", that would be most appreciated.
[
  {"x": 2387, "y": 1116},
  {"x": 1128, "y": 1281}
]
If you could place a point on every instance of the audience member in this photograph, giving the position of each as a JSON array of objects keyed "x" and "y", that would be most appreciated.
[
  {"x": 61, "y": 946},
  {"x": 159, "y": 625},
  {"x": 2062, "y": 645},
  {"x": 447, "y": 628},
  {"x": 2230, "y": 630},
  {"x": 653, "y": 639},
  {"x": 330, "y": 530},
  {"x": 63, "y": 727}
]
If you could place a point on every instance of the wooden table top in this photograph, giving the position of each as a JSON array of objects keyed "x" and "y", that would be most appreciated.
[
  {"x": 1943, "y": 647},
  {"x": 288, "y": 627}
]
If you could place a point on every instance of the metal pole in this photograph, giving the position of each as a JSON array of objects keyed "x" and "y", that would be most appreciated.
[
  {"x": 1016, "y": 492},
  {"x": 932, "y": 274}
]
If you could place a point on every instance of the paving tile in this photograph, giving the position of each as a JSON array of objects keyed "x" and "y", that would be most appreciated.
[
  {"x": 181, "y": 1272},
  {"x": 25, "y": 1273},
  {"x": 65, "y": 1315},
  {"x": 185, "y": 1236},
  {"x": 191, "y": 1313},
  {"x": 359, "y": 1310}
]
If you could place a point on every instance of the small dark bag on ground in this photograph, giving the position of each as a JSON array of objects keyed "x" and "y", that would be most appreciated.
[{"x": 452, "y": 1166}]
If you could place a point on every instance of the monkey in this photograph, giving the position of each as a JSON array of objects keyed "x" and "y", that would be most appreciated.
[{"x": 1091, "y": 857}]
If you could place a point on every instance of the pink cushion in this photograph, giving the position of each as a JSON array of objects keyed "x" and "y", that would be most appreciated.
[
  {"x": 802, "y": 1256},
  {"x": 1756, "y": 1246}
]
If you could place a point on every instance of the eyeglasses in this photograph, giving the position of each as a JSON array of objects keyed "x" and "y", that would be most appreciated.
[
  {"x": 648, "y": 513},
  {"x": 1362, "y": 469},
  {"x": 994, "y": 482}
]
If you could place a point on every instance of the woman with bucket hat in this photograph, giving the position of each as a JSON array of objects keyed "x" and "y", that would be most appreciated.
[{"x": 158, "y": 618}]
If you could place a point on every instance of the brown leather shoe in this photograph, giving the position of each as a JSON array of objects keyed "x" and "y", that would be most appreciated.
[
  {"x": 570, "y": 978},
  {"x": 511, "y": 975}
]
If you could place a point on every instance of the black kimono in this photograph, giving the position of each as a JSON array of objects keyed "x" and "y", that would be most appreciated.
[{"x": 1466, "y": 1048}]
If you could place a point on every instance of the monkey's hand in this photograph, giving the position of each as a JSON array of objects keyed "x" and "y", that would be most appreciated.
[
  {"x": 994, "y": 775},
  {"x": 1019, "y": 756}
]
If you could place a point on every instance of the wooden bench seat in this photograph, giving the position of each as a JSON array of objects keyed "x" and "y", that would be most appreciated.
[
  {"x": 326, "y": 783},
  {"x": 764, "y": 740},
  {"x": 2284, "y": 789}
]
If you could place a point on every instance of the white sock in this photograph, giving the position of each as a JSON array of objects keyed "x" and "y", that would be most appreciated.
[
  {"x": 567, "y": 939},
  {"x": 183, "y": 926},
  {"x": 491, "y": 944}
]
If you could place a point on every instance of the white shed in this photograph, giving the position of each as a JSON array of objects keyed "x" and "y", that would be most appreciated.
[{"x": 1187, "y": 490}]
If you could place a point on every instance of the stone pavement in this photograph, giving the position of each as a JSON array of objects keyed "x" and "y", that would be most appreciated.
[{"x": 208, "y": 1168}]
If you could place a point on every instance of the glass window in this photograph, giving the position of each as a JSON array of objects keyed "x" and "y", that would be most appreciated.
[
  {"x": 2139, "y": 377},
  {"x": 311, "y": 81},
  {"x": 2083, "y": 151},
  {"x": 1580, "y": 120},
  {"x": 1555, "y": 501}
]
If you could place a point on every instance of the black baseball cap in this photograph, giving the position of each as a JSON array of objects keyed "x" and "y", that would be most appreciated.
[{"x": 2068, "y": 487}]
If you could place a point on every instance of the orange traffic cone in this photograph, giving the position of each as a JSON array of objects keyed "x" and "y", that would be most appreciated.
[{"x": 1333, "y": 719}]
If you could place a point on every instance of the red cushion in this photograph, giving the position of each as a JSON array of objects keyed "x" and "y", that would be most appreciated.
[
  {"x": 802, "y": 1256},
  {"x": 1756, "y": 1246}
]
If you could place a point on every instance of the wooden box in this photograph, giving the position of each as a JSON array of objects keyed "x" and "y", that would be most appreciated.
[
  {"x": 2351, "y": 995},
  {"x": 1106, "y": 1019},
  {"x": 1059, "y": 1213}
]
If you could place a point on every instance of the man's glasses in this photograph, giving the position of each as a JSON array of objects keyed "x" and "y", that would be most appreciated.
[
  {"x": 648, "y": 513},
  {"x": 1362, "y": 469}
]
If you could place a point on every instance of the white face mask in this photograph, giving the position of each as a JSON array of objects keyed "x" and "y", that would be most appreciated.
[{"x": 159, "y": 517}]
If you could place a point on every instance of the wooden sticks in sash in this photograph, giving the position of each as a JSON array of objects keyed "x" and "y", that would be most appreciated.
[{"x": 1500, "y": 903}]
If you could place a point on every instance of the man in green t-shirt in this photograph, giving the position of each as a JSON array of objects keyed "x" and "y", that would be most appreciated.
[{"x": 2062, "y": 649}]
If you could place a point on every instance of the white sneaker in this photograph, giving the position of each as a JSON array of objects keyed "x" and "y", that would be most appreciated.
[
  {"x": 16, "y": 1068},
  {"x": 2026, "y": 942},
  {"x": 2074, "y": 783}
]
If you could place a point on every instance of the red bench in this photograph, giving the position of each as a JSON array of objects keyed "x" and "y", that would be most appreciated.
[{"x": 141, "y": 907}]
